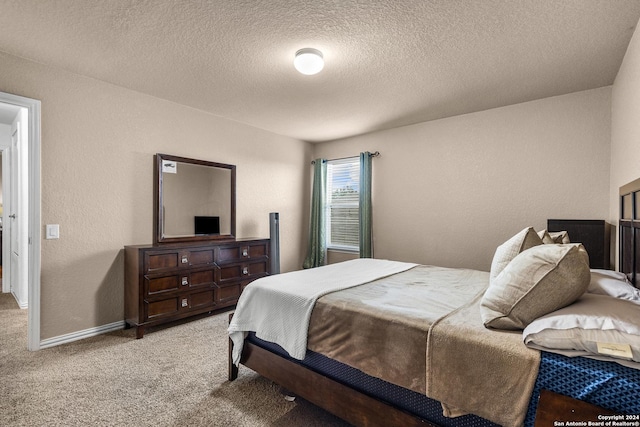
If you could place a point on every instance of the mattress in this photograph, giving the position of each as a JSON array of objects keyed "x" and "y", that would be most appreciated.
[
  {"x": 601, "y": 383},
  {"x": 606, "y": 384},
  {"x": 408, "y": 400}
]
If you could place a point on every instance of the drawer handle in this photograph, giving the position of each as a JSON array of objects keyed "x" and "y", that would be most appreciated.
[
  {"x": 185, "y": 259},
  {"x": 245, "y": 270},
  {"x": 245, "y": 252},
  {"x": 185, "y": 281},
  {"x": 185, "y": 303}
]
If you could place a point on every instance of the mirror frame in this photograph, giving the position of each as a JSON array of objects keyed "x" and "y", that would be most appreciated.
[{"x": 158, "y": 219}]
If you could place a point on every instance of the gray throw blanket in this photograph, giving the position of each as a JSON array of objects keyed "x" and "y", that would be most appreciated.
[{"x": 472, "y": 369}]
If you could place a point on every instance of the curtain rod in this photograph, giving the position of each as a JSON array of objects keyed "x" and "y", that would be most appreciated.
[{"x": 374, "y": 154}]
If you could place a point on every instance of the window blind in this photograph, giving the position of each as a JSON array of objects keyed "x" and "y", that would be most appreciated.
[{"x": 343, "y": 187}]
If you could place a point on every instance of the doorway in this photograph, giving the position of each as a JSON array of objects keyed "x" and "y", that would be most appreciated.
[
  {"x": 20, "y": 202},
  {"x": 14, "y": 146}
]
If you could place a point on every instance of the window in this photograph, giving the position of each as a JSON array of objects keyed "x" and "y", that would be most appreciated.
[{"x": 343, "y": 198}]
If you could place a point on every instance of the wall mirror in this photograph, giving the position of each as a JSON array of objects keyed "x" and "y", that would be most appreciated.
[{"x": 195, "y": 200}]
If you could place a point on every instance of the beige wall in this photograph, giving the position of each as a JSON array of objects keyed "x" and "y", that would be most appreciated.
[
  {"x": 625, "y": 125},
  {"x": 447, "y": 192},
  {"x": 98, "y": 142}
]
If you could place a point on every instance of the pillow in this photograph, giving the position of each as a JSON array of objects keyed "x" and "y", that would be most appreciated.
[
  {"x": 596, "y": 326},
  {"x": 545, "y": 237},
  {"x": 559, "y": 237},
  {"x": 613, "y": 283},
  {"x": 549, "y": 237},
  {"x": 538, "y": 281},
  {"x": 507, "y": 251}
]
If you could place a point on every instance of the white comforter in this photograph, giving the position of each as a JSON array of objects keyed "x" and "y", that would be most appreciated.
[{"x": 293, "y": 296}]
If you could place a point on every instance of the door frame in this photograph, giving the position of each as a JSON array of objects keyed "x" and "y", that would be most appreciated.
[
  {"x": 34, "y": 214},
  {"x": 6, "y": 182}
]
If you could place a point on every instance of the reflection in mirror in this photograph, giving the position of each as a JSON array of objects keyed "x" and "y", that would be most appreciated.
[{"x": 196, "y": 199}]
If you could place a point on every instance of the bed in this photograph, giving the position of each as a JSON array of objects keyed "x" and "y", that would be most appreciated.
[{"x": 366, "y": 384}]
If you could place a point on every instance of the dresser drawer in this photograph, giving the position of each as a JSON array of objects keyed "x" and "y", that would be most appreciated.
[
  {"x": 169, "y": 307},
  {"x": 229, "y": 293},
  {"x": 198, "y": 300},
  {"x": 161, "y": 285},
  {"x": 198, "y": 257},
  {"x": 156, "y": 285},
  {"x": 166, "y": 260},
  {"x": 242, "y": 271},
  {"x": 197, "y": 279},
  {"x": 158, "y": 261},
  {"x": 242, "y": 252},
  {"x": 162, "y": 308}
]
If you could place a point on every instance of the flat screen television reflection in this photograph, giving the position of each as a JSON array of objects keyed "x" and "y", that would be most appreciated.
[{"x": 207, "y": 224}]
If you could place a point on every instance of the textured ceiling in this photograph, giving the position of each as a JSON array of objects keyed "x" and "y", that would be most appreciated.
[{"x": 387, "y": 63}]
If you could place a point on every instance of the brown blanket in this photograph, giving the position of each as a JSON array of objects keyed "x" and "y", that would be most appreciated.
[
  {"x": 471, "y": 369},
  {"x": 381, "y": 328}
]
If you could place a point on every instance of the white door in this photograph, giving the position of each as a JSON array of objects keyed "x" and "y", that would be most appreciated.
[
  {"x": 29, "y": 249},
  {"x": 17, "y": 215}
]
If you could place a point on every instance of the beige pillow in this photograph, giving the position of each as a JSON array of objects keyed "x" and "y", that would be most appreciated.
[
  {"x": 549, "y": 237},
  {"x": 545, "y": 237},
  {"x": 507, "y": 251},
  {"x": 560, "y": 237},
  {"x": 538, "y": 281}
]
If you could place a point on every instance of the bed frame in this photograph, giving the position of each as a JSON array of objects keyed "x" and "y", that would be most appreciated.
[
  {"x": 363, "y": 410},
  {"x": 629, "y": 242}
]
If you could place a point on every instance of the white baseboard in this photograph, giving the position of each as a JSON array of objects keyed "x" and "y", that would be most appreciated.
[
  {"x": 75, "y": 336},
  {"x": 21, "y": 304}
]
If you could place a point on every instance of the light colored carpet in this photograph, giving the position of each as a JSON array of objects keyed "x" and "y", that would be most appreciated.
[{"x": 174, "y": 376}]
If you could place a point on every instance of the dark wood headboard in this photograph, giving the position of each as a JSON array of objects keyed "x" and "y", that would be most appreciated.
[{"x": 629, "y": 250}]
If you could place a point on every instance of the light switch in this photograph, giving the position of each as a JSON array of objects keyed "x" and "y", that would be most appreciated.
[{"x": 53, "y": 231}]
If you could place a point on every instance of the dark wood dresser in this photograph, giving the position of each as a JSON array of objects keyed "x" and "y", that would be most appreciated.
[
  {"x": 164, "y": 283},
  {"x": 594, "y": 234}
]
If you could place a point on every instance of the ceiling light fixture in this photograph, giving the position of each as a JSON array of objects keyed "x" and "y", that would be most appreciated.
[{"x": 308, "y": 61}]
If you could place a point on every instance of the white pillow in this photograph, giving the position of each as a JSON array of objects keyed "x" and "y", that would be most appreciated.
[
  {"x": 578, "y": 329},
  {"x": 507, "y": 251},
  {"x": 613, "y": 283},
  {"x": 536, "y": 282}
]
